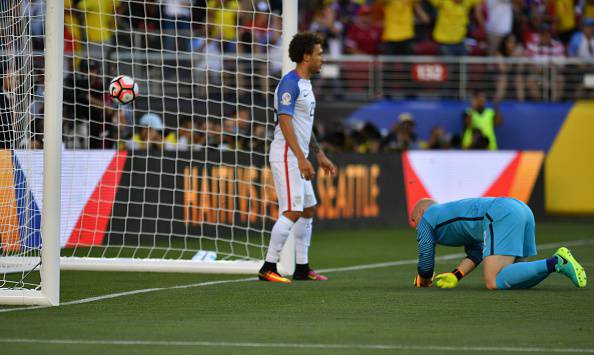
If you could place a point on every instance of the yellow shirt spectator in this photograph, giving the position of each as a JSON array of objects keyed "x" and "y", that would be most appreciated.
[
  {"x": 72, "y": 26},
  {"x": 399, "y": 20},
  {"x": 452, "y": 20},
  {"x": 99, "y": 17},
  {"x": 564, "y": 9},
  {"x": 223, "y": 19},
  {"x": 588, "y": 11}
]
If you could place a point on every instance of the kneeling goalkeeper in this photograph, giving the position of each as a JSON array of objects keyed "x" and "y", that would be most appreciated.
[{"x": 496, "y": 231}]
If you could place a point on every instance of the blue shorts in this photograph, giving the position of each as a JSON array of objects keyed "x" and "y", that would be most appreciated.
[{"x": 509, "y": 229}]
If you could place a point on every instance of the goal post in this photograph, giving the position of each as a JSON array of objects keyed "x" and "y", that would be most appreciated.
[
  {"x": 38, "y": 249},
  {"x": 176, "y": 181},
  {"x": 52, "y": 152}
]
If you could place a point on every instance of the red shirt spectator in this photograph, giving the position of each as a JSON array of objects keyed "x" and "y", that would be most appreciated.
[
  {"x": 363, "y": 37},
  {"x": 543, "y": 46}
]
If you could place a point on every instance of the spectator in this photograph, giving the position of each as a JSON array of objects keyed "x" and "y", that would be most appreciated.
[
  {"x": 363, "y": 37},
  {"x": 499, "y": 23},
  {"x": 582, "y": 46},
  {"x": 255, "y": 32},
  {"x": 509, "y": 48},
  {"x": 176, "y": 23},
  {"x": 88, "y": 118},
  {"x": 327, "y": 26},
  {"x": 257, "y": 142},
  {"x": 438, "y": 139},
  {"x": 483, "y": 119},
  {"x": 543, "y": 49},
  {"x": 71, "y": 35},
  {"x": 450, "y": 29},
  {"x": 6, "y": 110},
  {"x": 35, "y": 15},
  {"x": 36, "y": 111},
  {"x": 587, "y": 8},
  {"x": 582, "y": 42},
  {"x": 223, "y": 16},
  {"x": 399, "y": 25},
  {"x": 364, "y": 138},
  {"x": 531, "y": 28},
  {"x": 231, "y": 140},
  {"x": 402, "y": 136},
  {"x": 563, "y": 15},
  {"x": 150, "y": 135},
  {"x": 145, "y": 15},
  {"x": 99, "y": 17},
  {"x": 479, "y": 141},
  {"x": 189, "y": 136}
]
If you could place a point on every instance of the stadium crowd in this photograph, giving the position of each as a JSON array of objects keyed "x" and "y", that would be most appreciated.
[
  {"x": 392, "y": 27},
  {"x": 505, "y": 28}
]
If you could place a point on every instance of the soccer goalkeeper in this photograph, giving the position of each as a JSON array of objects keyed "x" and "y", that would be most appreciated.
[{"x": 496, "y": 231}]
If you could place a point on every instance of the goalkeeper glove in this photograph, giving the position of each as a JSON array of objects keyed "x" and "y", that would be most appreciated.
[
  {"x": 448, "y": 279},
  {"x": 421, "y": 282}
]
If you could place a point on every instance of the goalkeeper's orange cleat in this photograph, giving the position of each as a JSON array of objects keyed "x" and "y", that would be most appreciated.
[
  {"x": 311, "y": 276},
  {"x": 272, "y": 276}
]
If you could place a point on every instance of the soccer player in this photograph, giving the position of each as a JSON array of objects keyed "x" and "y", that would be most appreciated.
[
  {"x": 295, "y": 104},
  {"x": 497, "y": 231}
]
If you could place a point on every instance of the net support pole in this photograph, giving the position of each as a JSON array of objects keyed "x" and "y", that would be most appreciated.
[
  {"x": 286, "y": 264},
  {"x": 52, "y": 148}
]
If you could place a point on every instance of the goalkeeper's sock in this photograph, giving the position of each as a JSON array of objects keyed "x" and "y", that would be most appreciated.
[
  {"x": 278, "y": 237},
  {"x": 552, "y": 263},
  {"x": 302, "y": 233},
  {"x": 522, "y": 275}
]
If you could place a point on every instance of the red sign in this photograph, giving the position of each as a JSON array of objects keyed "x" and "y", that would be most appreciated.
[{"x": 429, "y": 72}]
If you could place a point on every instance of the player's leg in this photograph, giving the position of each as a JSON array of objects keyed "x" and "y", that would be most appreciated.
[
  {"x": 510, "y": 235},
  {"x": 302, "y": 231},
  {"x": 501, "y": 273},
  {"x": 289, "y": 188}
]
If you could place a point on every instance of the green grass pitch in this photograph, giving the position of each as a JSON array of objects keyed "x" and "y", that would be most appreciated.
[{"x": 359, "y": 310}]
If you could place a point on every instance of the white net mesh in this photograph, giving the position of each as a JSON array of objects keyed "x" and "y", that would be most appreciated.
[
  {"x": 181, "y": 172},
  {"x": 20, "y": 122}
]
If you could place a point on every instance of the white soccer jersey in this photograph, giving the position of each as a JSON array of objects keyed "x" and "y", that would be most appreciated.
[{"x": 293, "y": 97}]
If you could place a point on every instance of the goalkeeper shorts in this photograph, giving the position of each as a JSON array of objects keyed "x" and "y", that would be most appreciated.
[{"x": 509, "y": 229}]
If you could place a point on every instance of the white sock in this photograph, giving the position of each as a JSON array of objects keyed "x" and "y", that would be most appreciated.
[
  {"x": 279, "y": 235},
  {"x": 302, "y": 233}
]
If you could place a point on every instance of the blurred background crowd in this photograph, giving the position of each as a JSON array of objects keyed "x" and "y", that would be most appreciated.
[{"x": 96, "y": 32}]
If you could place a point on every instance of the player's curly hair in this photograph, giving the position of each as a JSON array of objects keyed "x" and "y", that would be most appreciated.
[{"x": 301, "y": 44}]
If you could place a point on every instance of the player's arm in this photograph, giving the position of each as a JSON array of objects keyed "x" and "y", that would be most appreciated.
[
  {"x": 286, "y": 126},
  {"x": 325, "y": 163},
  {"x": 426, "y": 263}
]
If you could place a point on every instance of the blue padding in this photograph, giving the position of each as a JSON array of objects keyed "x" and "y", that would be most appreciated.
[
  {"x": 526, "y": 126},
  {"x": 27, "y": 209}
]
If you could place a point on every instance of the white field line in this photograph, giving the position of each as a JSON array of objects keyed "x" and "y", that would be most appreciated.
[
  {"x": 340, "y": 269},
  {"x": 295, "y": 345}
]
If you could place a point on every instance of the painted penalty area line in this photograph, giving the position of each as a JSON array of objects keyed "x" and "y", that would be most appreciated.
[
  {"x": 212, "y": 283},
  {"x": 294, "y": 345}
]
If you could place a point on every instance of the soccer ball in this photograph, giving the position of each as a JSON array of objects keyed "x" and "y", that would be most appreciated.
[{"x": 123, "y": 89}]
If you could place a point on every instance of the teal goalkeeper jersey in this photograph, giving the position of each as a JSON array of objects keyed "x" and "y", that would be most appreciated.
[{"x": 456, "y": 223}]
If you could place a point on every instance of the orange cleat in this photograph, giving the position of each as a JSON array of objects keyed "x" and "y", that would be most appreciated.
[{"x": 272, "y": 276}]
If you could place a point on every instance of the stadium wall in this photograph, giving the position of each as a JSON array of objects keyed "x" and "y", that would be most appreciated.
[
  {"x": 118, "y": 197},
  {"x": 179, "y": 197}
]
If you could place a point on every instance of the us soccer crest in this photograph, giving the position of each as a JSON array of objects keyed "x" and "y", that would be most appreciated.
[{"x": 286, "y": 99}]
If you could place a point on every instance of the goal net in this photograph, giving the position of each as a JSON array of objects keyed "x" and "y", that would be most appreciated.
[{"x": 178, "y": 179}]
